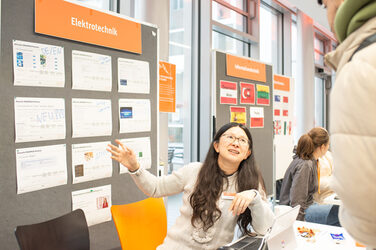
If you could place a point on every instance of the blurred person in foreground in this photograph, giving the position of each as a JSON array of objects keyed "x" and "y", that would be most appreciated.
[{"x": 353, "y": 114}]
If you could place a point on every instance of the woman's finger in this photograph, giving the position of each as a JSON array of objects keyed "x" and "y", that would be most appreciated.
[
  {"x": 120, "y": 144},
  {"x": 114, "y": 148},
  {"x": 242, "y": 207},
  {"x": 112, "y": 152}
]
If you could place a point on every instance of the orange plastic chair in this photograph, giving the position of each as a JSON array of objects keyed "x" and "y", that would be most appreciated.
[{"x": 141, "y": 225}]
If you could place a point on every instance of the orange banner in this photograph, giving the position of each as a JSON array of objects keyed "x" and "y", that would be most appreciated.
[
  {"x": 245, "y": 68},
  {"x": 167, "y": 87},
  {"x": 75, "y": 22},
  {"x": 281, "y": 83}
]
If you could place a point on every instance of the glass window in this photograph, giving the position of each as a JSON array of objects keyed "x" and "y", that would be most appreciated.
[
  {"x": 229, "y": 44},
  {"x": 237, "y": 3},
  {"x": 180, "y": 54},
  {"x": 270, "y": 42},
  {"x": 319, "y": 102},
  {"x": 229, "y": 17},
  {"x": 319, "y": 47}
]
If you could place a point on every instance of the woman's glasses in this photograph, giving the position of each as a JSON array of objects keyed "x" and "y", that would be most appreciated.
[{"x": 231, "y": 139}]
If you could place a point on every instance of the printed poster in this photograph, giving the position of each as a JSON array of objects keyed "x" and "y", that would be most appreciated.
[
  {"x": 91, "y": 71},
  {"x": 263, "y": 95},
  {"x": 228, "y": 92},
  {"x": 95, "y": 202},
  {"x": 39, "y": 119},
  {"x": 37, "y": 64},
  {"x": 91, "y": 161},
  {"x": 238, "y": 114},
  {"x": 283, "y": 105},
  {"x": 167, "y": 87},
  {"x": 41, "y": 167},
  {"x": 257, "y": 117},
  {"x": 247, "y": 93},
  {"x": 142, "y": 149}
]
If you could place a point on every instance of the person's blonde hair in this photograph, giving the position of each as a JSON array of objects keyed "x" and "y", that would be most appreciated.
[{"x": 307, "y": 143}]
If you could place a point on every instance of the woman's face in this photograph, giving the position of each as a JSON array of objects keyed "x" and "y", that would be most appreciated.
[
  {"x": 324, "y": 149},
  {"x": 233, "y": 146}
]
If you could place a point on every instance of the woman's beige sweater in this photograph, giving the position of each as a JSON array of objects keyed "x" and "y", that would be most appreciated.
[{"x": 182, "y": 235}]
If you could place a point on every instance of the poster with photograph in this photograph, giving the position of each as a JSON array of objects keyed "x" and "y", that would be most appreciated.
[
  {"x": 95, "y": 202},
  {"x": 39, "y": 65}
]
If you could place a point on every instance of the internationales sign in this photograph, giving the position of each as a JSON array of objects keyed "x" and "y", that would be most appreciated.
[
  {"x": 245, "y": 68},
  {"x": 75, "y": 22}
]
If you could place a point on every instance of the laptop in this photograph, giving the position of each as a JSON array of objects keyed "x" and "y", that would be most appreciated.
[{"x": 279, "y": 236}]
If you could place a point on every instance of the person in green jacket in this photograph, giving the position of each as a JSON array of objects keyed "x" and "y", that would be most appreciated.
[{"x": 352, "y": 114}]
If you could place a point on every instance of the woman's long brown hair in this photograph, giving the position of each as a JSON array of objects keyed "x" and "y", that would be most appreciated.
[
  {"x": 210, "y": 181},
  {"x": 308, "y": 143}
]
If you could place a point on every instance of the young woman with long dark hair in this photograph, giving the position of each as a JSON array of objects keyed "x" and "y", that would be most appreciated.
[{"x": 207, "y": 217}]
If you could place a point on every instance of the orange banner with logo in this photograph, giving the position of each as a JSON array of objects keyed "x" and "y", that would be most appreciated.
[
  {"x": 281, "y": 83},
  {"x": 245, "y": 68},
  {"x": 167, "y": 87},
  {"x": 75, "y": 22}
]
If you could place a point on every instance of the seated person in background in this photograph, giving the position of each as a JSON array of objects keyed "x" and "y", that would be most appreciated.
[
  {"x": 300, "y": 182},
  {"x": 207, "y": 220},
  {"x": 325, "y": 164}
]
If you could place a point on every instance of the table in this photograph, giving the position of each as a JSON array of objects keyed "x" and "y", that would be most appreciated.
[{"x": 322, "y": 239}]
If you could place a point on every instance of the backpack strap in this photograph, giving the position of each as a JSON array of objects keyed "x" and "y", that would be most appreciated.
[{"x": 366, "y": 42}]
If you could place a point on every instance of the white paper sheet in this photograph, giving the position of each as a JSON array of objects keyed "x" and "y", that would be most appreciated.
[
  {"x": 91, "y": 117},
  {"x": 95, "y": 202},
  {"x": 91, "y": 71},
  {"x": 39, "y": 119},
  {"x": 134, "y": 115},
  {"x": 41, "y": 167},
  {"x": 141, "y": 147},
  {"x": 36, "y": 64},
  {"x": 133, "y": 76},
  {"x": 91, "y": 161}
]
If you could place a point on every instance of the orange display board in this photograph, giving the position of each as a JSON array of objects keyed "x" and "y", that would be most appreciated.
[
  {"x": 245, "y": 68},
  {"x": 281, "y": 83},
  {"x": 167, "y": 87},
  {"x": 75, "y": 22}
]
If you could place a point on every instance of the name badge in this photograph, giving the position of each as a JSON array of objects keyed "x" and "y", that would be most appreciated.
[{"x": 228, "y": 196}]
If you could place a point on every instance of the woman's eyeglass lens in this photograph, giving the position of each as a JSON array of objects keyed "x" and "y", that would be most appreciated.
[{"x": 231, "y": 139}]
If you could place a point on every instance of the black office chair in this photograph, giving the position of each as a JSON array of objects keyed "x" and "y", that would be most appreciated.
[{"x": 68, "y": 232}]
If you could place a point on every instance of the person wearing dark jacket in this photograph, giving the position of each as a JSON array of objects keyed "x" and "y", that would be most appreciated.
[{"x": 301, "y": 179}]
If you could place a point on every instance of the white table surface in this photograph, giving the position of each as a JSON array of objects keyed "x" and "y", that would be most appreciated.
[{"x": 322, "y": 239}]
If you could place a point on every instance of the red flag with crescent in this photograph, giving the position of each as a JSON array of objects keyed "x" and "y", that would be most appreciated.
[{"x": 247, "y": 93}]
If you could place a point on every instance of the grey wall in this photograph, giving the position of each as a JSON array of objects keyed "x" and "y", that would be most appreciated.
[{"x": 18, "y": 23}]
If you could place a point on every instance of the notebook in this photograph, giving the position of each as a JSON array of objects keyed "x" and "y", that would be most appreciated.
[{"x": 279, "y": 236}]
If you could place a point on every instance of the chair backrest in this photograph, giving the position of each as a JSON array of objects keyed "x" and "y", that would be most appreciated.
[
  {"x": 141, "y": 225},
  {"x": 69, "y": 231}
]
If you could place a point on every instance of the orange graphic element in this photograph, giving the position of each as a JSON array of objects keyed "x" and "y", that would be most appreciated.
[
  {"x": 306, "y": 232},
  {"x": 167, "y": 87},
  {"x": 75, "y": 22},
  {"x": 281, "y": 83},
  {"x": 245, "y": 68}
]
